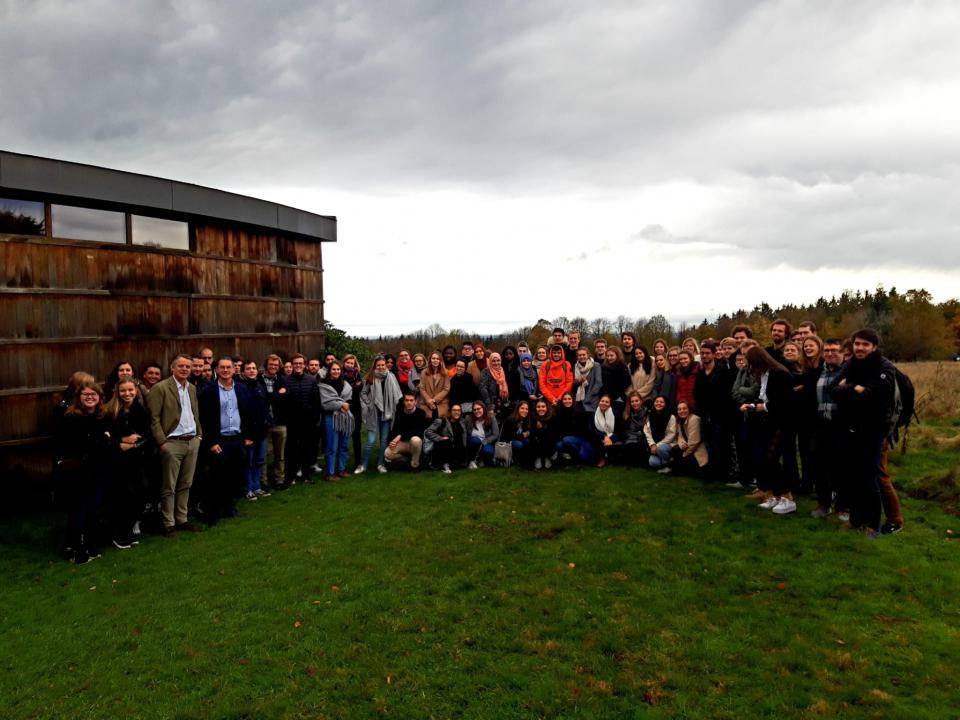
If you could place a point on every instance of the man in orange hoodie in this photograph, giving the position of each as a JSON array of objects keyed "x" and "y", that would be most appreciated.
[{"x": 556, "y": 376}]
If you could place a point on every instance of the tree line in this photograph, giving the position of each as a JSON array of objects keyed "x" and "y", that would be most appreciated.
[{"x": 912, "y": 326}]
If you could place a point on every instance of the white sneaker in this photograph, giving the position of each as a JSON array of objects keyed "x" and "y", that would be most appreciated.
[
  {"x": 446, "y": 469},
  {"x": 547, "y": 464},
  {"x": 299, "y": 474},
  {"x": 472, "y": 465},
  {"x": 736, "y": 484},
  {"x": 537, "y": 464},
  {"x": 316, "y": 468},
  {"x": 381, "y": 468},
  {"x": 361, "y": 469},
  {"x": 769, "y": 504},
  {"x": 785, "y": 506},
  {"x": 251, "y": 495},
  {"x": 843, "y": 517},
  {"x": 664, "y": 471}
]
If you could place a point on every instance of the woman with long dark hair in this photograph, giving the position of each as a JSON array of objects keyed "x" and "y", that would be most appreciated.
[
  {"x": 660, "y": 432},
  {"x": 482, "y": 432},
  {"x": 643, "y": 376},
  {"x": 690, "y": 454},
  {"x": 616, "y": 378},
  {"x": 542, "y": 437},
  {"x": 516, "y": 431},
  {"x": 123, "y": 370}
]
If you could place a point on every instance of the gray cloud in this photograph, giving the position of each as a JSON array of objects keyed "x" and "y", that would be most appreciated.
[{"x": 830, "y": 132}]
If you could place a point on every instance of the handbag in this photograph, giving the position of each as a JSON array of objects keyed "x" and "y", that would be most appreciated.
[{"x": 502, "y": 452}]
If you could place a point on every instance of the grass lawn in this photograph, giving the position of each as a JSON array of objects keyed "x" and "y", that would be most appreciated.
[{"x": 496, "y": 594}]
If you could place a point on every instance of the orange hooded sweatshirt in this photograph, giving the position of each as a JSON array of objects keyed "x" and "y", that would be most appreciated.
[{"x": 556, "y": 378}]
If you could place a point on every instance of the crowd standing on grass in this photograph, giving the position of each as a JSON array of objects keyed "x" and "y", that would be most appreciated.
[{"x": 801, "y": 417}]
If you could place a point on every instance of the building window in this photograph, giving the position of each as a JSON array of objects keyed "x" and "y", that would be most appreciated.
[
  {"x": 78, "y": 223},
  {"x": 154, "y": 232},
  {"x": 22, "y": 217}
]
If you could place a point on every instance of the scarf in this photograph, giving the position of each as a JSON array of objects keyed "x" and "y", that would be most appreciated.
[
  {"x": 386, "y": 394},
  {"x": 335, "y": 384},
  {"x": 403, "y": 370},
  {"x": 498, "y": 375},
  {"x": 659, "y": 419},
  {"x": 604, "y": 421},
  {"x": 351, "y": 375},
  {"x": 581, "y": 373},
  {"x": 528, "y": 376},
  {"x": 482, "y": 364}
]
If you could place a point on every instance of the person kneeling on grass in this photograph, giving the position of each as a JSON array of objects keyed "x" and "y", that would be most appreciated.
[
  {"x": 690, "y": 454},
  {"x": 604, "y": 429},
  {"x": 482, "y": 432},
  {"x": 516, "y": 431},
  {"x": 445, "y": 442},
  {"x": 570, "y": 427},
  {"x": 660, "y": 431},
  {"x": 408, "y": 426},
  {"x": 542, "y": 440}
]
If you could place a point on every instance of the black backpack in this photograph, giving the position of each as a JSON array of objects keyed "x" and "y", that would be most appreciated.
[{"x": 904, "y": 402}]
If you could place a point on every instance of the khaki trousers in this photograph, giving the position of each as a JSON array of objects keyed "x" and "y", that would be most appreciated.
[
  {"x": 404, "y": 450},
  {"x": 178, "y": 460}
]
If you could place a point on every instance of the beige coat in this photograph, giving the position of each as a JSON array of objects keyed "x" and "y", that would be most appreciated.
[
  {"x": 690, "y": 439},
  {"x": 643, "y": 382},
  {"x": 436, "y": 388}
]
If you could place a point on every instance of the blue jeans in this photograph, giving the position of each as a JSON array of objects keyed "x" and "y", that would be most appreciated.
[
  {"x": 479, "y": 451},
  {"x": 256, "y": 457},
  {"x": 578, "y": 448},
  {"x": 383, "y": 430},
  {"x": 662, "y": 458},
  {"x": 338, "y": 447}
]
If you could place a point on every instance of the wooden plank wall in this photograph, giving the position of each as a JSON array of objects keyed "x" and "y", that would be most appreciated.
[{"x": 69, "y": 305}]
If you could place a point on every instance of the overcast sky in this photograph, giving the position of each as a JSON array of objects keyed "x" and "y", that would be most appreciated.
[{"x": 491, "y": 163}]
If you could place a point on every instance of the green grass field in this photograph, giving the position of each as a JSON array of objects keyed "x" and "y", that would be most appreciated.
[{"x": 496, "y": 594}]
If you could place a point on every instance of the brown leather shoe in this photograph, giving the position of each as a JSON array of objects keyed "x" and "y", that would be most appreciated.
[
  {"x": 332, "y": 478},
  {"x": 602, "y": 463},
  {"x": 169, "y": 531},
  {"x": 343, "y": 474},
  {"x": 188, "y": 527}
]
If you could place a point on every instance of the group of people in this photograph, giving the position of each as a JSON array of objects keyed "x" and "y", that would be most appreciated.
[{"x": 803, "y": 415}]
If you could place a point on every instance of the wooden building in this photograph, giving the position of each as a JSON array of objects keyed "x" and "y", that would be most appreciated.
[{"x": 100, "y": 266}]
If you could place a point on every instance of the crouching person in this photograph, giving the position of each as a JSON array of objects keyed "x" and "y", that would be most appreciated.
[
  {"x": 660, "y": 431},
  {"x": 408, "y": 428},
  {"x": 445, "y": 442},
  {"x": 690, "y": 454}
]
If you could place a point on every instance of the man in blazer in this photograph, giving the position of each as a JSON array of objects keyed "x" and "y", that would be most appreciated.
[
  {"x": 226, "y": 414},
  {"x": 175, "y": 425}
]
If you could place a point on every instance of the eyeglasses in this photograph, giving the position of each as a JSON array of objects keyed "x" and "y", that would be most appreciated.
[{"x": 89, "y": 395}]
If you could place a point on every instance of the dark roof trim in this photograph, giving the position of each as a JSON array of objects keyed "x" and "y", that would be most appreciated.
[{"x": 87, "y": 182}]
